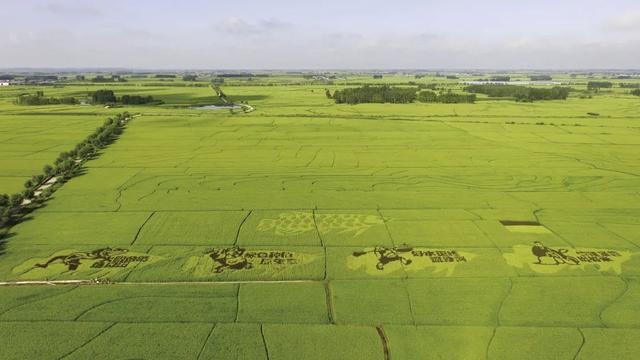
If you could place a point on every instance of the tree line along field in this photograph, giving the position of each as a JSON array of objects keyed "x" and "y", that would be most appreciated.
[{"x": 313, "y": 230}]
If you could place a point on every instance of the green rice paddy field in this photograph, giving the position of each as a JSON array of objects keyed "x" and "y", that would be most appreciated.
[{"x": 310, "y": 230}]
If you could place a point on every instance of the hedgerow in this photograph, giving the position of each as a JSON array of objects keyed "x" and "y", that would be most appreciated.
[
  {"x": 520, "y": 93},
  {"x": 65, "y": 167}
]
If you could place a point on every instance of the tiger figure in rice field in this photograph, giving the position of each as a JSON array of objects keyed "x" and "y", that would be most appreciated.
[
  {"x": 299, "y": 222},
  {"x": 73, "y": 260},
  {"x": 386, "y": 255},
  {"x": 230, "y": 258}
]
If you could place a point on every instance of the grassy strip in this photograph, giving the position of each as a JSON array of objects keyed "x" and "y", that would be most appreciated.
[{"x": 68, "y": 165}]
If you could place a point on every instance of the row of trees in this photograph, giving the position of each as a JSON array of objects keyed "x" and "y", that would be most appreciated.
[
  {"x": 430, "y": 86},
  {"x": 103, "y": 97},
  {"x": 109, "y": 97},
  {"x": 597, "y": 85},
  {"x": 374, "y": 94},
  {"x": 39, "y": 99},
  {"x": 67, "y": 165},
  {"x": 520, "y": 93},
  {"x": 446, "y": 97},
  {"x": 635, "y": 92},
  {"x": 540, "y": 77},
  {"x": 396, "y": 95},
  {"x": 102, "y": 79},
  {"x": 136, "y": 100}
]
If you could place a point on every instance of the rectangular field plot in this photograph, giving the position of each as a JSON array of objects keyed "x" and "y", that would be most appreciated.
[
  {"x": 371, "y": 302},
  {"x": 434, "y": 233},
  {"x": 445, "y": 342},
  {"x": 121, "y": 303},
  {"x": 28, "y": 142},
  {"x": 153, "y": 341},
  {"x": 192, "y": 228},
  {"x": 82, "y": 228},
  {"x": 322, "y": 342},
  {"x": 235, "y": 341},
  {"x": 291, "y": 303},
  {"x": 568, "y": 301},
  {"x": 44, "y": 340},
  {"x": 473, "y": 301}
]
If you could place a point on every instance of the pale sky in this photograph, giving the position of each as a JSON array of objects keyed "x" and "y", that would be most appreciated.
[{"x": 321, "y": 34}]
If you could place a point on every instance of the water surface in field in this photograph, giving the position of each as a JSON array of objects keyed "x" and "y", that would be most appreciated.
[{"x": 216, "y": 107}]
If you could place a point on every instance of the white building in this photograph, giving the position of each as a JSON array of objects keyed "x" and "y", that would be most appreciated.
[{"x": 4, "y": 83}]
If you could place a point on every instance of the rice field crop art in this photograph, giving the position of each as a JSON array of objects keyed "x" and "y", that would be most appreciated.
[
  {"x": 307, "y": 229},
  {"x": 301, "y": 222}
]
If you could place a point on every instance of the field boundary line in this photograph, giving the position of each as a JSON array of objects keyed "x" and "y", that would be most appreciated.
[
  {"x": 329, "y": 301},
  {"x": 386, "y": 227},
  {"x": 49, "y": 282},
  {"x": 385, "y": 342},
  {"x": 135, "y": 238},
  {"x": 206, "y": 340},
  {"x": 88, "y": 341},
  {"x": 493, "y": 335},
  {"x": 504, "y": 299},
  {"x": 235, "y": 318},
  {"x": 264, "y": 341},
  {"x": 293, "y": 281},
  {"x": 624, "y": 291},
  {"x": 409, "y": 302},
  {"x": 235, "y": 242},
  {"x": 98, "y": 282},
  {"x": 584, "y": 340}
]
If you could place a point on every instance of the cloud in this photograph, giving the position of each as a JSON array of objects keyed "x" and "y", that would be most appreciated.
[
  {"x": 275, "y": 24},
  {"x": 77, "y": 8},
  {"x": 627, "y": 21},
  {"x": 238, "y": 26}
]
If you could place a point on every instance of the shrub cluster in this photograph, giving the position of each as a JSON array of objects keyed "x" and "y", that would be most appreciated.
[
  {"x": 66, "y": 166},
  {"x": 375, "y": 94},
  {"x": 520, "y": 93},
  {"x": 635, "y": 92},
  {"x": 446, "y": 97}
]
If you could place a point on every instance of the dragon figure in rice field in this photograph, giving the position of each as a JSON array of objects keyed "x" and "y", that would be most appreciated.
[{"x": 299, "y": 222}]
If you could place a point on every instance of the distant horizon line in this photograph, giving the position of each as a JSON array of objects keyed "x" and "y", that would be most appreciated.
[{"x": 388, "y": 70}]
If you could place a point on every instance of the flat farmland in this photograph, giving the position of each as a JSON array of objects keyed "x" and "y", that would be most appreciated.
[
  {"x": 494, "y": 230},
  {"x": 31, "y": 141}
]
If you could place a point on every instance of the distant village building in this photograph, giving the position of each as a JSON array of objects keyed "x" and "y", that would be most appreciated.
[{"x": 5, "y": 83}]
